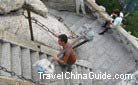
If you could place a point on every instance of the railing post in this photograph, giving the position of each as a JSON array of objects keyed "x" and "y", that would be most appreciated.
[{"x": 30, "y": 24}]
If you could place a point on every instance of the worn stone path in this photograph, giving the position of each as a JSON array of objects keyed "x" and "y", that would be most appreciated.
[{"x": 105, "y": 53}]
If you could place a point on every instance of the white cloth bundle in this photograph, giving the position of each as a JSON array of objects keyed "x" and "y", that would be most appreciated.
[{"x": 46, "y": 65}]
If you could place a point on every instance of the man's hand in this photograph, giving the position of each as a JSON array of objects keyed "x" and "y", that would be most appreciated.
[
  {"x": 55, "y": 58},
  {"x": 111, "y": 25},
  {"x": 56, "y": 35},
  {"x": 2, "y": 9}
]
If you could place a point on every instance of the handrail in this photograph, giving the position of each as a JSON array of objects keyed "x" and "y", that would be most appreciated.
[
  {"x": 84, "y": 63},
  {"x": 129, "y": 37},
  {"x": 135, "y": 37}
]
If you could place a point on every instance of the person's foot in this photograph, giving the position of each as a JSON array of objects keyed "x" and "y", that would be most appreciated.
[
  {"x": 80, "y": 84},
  {"x": 101, "y": 33},
  {"x": 103, "y": 25},
  {"x": 69, "y": 69}
]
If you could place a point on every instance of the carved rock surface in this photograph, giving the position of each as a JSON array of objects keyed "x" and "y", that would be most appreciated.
[
  {"x": 16, "y": 24},
  {"x": 7, "y": 6},
  {"x": 37, "y": 7}
]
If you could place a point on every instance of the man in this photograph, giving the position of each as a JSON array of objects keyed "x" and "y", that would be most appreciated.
[
  {"x": 68, "y": 58},
  {"x": 80, "y": 3},
  {"x": 117, "y": 21},
  {"x": 112, "y": 16}
]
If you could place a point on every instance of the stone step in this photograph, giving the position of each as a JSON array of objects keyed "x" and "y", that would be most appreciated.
[
  {"x": 89, "y": 80},
  {"x": 85, "y": 81},
  {"x": 34, "y": 58},
  {"x": 26, "y": 63},
  {"x": 85, "y": 26},
  {"x": 16, "y": 59},
  {"x": 14, "y": 81},
  {"x": 80, "y": 72},
  {"x": 78, "y": 24},
  {"x": 6, "y": 57},
  {"x": 58, "y": 70},
  {"x": 74, "y": 81}
]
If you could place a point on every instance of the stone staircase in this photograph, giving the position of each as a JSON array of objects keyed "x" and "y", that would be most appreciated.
[
  {"x": 18, "y": 55},
  {"x": 104, "y": 54}
]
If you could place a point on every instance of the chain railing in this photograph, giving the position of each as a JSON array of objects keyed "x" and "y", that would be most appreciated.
[
  {"x": 45, "y": 28},
  {"x": 34, "y": 20},
  {"x": 12, "y": 73}
]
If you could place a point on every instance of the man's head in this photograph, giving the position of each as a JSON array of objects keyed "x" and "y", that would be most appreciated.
[
  {"x": 116, "y": 12},
  {"x": 62, "y": 39}
]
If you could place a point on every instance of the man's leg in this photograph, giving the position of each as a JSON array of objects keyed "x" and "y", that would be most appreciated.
[
  {"x": 71, "y": 67},
  {"x": 105, "y": 30},
  {"x": 104, "y": 25},
  {"x": 77, "y": 6},
  {"x": 107, "y": 23},
  {"x": 82, "y": 7},
  {"x": 66, "y": 67}
]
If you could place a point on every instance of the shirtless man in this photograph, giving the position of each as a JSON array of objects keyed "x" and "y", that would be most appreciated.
[{"x": 68, "y": 58}]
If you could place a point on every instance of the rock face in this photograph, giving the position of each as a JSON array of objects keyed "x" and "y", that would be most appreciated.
[
  {"x": 68, "y": 5},
  {"x": 52, "y": 24},
  {"x": 7, "y": 6},
  {"x": 16, "y": 24},
  {"x": 36, "y": 6},
  {"x": 12, "y": 19}
]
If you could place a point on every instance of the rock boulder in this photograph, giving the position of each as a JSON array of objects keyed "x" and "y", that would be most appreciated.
[{"x": 7, "y": 6}]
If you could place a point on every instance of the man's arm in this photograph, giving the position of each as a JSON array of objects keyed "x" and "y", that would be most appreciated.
[
  {"x": 65, "y": 58},
  {"x": 56, "y": 35},
  {"x": 2, "y": 9}
]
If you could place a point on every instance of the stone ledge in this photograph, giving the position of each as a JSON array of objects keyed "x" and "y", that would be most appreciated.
[
  {"x": 129, "y": 37},
  {"x": 61, "y": 4},
  {"x": 84, "y": 63},
  {"x": 130, "y": 41},
  {"x": 13, "y": 81},
  {"x": 12, "y": 38}
]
